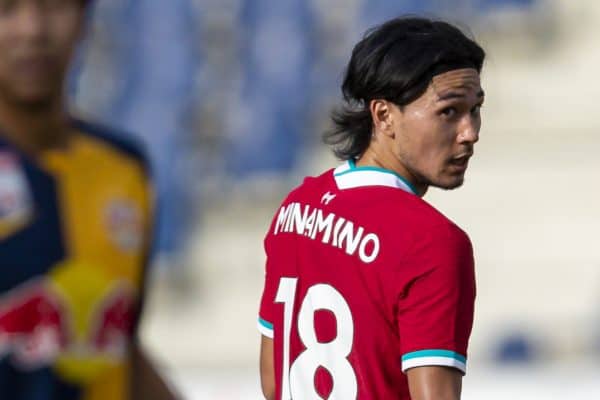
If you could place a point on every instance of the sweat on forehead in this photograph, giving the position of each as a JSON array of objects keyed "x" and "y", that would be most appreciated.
[{"x": 465, "y": 78}]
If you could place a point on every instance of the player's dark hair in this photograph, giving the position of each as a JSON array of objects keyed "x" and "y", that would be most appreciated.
[{"x": 396, "y": 62}]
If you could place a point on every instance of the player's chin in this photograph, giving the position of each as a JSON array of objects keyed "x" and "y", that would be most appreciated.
[{"x": 450, "y": 182}]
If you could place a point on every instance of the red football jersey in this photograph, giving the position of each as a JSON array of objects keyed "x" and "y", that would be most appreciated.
[{"x": 364, "y": 280}]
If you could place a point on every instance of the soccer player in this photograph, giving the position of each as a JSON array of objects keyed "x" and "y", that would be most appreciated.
[
  {"x": 369, "y": 291},
  {"x": 75, "y": 221}
]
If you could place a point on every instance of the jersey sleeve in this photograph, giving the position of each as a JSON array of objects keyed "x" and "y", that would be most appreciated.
[
  {"x": 435, "y": 308},
  {"x": 275, "y": 254},
  {"x": 266, "y": 312}
]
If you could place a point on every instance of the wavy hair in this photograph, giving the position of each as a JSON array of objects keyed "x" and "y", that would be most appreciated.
[{"x": 396, "y": 62}]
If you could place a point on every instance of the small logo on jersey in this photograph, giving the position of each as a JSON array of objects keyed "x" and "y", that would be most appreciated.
[
  {"x": 125, "y": 225},
  {"x": 327, "y": 197},
  {"x": 16, "y": 207}
]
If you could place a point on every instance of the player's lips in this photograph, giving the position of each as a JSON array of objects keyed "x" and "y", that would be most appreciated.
[{"x": 461, "y": 161}]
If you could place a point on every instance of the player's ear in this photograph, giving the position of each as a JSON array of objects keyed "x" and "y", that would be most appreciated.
[{"x": 382, "y": 117}]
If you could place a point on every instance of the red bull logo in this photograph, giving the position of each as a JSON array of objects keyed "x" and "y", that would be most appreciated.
[
  {"x": 114, "y": 324},
  {"x": 33, "y": 327},
  {"x": 77, "y": 320}
]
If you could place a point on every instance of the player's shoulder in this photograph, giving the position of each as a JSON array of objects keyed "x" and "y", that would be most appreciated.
[
  {"x": 309, "y": 186},
  {"x": 436, "y": 229},
  {"x": 432, "y": 219},
  {"x": 406, "y": 206},
  {"x": 427, "y": 214},
  {"x": 303, "y": 192},
  {"x": 120, "y": 141},
  {"x": 420, "y": 219}
]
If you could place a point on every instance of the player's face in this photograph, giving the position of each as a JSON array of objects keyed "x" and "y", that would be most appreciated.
[
  {"x": 37, "y": 38},
  {"x": 435, "y": 134}
]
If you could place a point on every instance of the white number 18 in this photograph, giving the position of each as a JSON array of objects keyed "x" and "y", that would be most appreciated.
[{"x": 298, "y": 381}]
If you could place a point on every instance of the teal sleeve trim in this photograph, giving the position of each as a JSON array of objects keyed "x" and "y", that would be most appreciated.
[
  {"x": 266, "y": 324},
  {"x": 434, "y": 353}
]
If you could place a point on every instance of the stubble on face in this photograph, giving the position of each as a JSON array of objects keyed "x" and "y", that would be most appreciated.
[
  {"x": 463, "y": 85},
  {"x": 431, "y": 144}
]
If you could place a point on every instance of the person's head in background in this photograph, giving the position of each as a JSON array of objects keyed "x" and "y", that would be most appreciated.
[
  {"x": 412, "y": 98},
  {"x": 37, "y": 40}
]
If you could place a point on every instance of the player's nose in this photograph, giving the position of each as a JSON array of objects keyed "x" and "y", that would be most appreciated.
[{"x": 468, "y": 130}]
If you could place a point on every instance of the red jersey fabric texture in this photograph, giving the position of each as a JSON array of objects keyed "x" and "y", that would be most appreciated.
[{"x": 364, "y": 280}]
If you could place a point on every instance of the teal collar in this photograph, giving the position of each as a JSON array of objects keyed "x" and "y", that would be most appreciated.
[{"x": 348, "y": 176}]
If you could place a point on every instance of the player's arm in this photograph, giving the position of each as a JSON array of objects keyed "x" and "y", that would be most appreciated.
[
  {"x": 266, "y": 319},
  {"x": 435, "y": 312},
  {"x": 146, "y": 382},
  {"x": 267, "y": 369},
  {"x": 434, "y": 383}
]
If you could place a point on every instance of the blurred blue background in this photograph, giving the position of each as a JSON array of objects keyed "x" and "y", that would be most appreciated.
[{"x": 230, "y": 98}]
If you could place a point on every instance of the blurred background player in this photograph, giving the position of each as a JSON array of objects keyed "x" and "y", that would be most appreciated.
[
  {"x": 366, "y": 282},
  {"x": 76, "y": 212}
]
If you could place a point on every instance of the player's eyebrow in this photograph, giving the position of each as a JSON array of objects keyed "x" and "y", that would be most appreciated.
[{"x": 455, "y": 95}]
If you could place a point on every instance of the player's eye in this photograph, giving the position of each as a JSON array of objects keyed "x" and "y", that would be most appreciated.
[
  {"x": 476, "y": 110},
  {"x": 448, "y": 112}
]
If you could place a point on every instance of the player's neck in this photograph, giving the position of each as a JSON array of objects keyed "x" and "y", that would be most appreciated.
[
  {"x": 372, "y": 158},
  {"x": 34, "y": 128}
]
